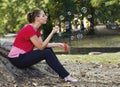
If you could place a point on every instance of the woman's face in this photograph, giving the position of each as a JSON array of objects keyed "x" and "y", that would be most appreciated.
[{"x": 42, "y": 18}]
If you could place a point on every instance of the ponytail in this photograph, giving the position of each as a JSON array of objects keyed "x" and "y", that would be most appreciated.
[{"x": 31, "y": 16}]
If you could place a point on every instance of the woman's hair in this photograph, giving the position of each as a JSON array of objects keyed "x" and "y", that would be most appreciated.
[{"x": 31, "y": 16}]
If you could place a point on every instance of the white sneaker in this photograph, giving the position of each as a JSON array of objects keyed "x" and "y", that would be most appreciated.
[{"x": 70, "y": 79}]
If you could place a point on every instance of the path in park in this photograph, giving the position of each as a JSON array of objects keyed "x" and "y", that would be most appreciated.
[{"x": 102, "y": 30}]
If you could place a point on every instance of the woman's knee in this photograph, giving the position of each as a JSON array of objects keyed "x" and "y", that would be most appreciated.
[
  {"x": 48, "y": 51},
  {"x": 49, "y": 54}
]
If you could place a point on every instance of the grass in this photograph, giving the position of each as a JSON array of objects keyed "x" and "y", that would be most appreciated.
[
  {"x": 105, "y": 58},
  {"x": 95, "y": 41}
]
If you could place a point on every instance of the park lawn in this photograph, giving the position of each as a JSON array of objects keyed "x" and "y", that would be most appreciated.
[
  {"x": 94, "y": 41},
  {"x": 105, "y": 58}
]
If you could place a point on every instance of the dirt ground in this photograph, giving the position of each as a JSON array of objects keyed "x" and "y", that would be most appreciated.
[{"x": 88, "y": 74}]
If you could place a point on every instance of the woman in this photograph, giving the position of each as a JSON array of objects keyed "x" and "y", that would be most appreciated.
[{"x": 22, "y": 54}]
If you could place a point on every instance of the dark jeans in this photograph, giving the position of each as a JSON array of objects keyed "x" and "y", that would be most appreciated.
[{"x": 35, "y": 56}]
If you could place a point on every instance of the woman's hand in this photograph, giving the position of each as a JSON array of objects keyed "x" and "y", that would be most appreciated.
[
  {"x": 55, "y": 29},
  {"x": 63, "y": 45}
]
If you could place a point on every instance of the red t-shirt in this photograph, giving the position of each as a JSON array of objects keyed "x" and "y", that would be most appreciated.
[{"x": 22, "y": 40}]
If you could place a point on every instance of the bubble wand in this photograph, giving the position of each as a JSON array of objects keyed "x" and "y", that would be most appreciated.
[{"x": 66, "y": 47}]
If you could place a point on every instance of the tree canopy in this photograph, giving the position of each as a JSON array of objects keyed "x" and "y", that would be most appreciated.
[{"x": 13, "y": 12}]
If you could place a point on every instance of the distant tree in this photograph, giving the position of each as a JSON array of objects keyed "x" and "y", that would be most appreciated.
[
  {"x": 13, "y": 12},
  {"x": 106, "y": 10}
]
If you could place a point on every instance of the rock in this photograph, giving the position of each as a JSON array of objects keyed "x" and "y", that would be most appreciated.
[
  {"x": 5, "y": 73},
  {"x": 95, "y": 53},
  {"x": 12, "y": 74}
]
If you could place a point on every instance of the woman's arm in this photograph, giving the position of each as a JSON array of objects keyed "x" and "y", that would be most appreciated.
[
  {"x": 43, "y": 44},
  {"x": 61, "y": 45}
]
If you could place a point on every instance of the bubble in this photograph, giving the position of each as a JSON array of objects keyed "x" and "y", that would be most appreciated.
[
  {"x": 84, "y": 9},
  {"x": 89, "y": 16},
  {"x": 57, "y": 22},
  {"x": 62, "y": 17},
  {"x": 79, "y": 35},
  {"x": 69, "y": 13},
  {"x": 72, "y": 37},
  {"x": 96, "y": 12},
  {"x": 67, "y": 25},
  {"x": 85, "y": 30},
  {"x": 80, "y": 15},
  {"x": 59, "y": 34},
  {"x": 76, "y": 16}
]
